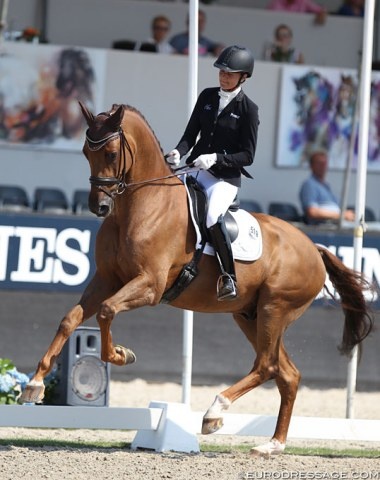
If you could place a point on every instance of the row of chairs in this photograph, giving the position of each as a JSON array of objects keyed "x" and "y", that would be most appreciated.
[
  {"x": 289, "y": 212},
  {"x": 54, "y": 200},
  {"x": 45, "y": 200},
  {"x": 283, "y": 210}
]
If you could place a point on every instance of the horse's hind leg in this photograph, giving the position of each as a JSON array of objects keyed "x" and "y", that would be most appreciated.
[
  {"x": 272, "y": 361},
  {"x": 86, "y": 307},
  {"x": 287, "y": 381}
]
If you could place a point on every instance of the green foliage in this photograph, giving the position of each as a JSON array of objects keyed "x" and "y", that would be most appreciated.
[
  {"x": 50, "y": 383},
  {"x": 9, "y": 396},
  {"x": 11, "y": 382},
  {"x": 5, "y": 365}
]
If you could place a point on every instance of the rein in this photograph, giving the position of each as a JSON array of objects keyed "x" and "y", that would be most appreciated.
[
  {"x": 119, "y": 180},
  {"x": 176, "y": 173}
]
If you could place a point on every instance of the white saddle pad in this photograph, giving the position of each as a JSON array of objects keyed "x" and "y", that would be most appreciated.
[{"x": 248, "y": 244}]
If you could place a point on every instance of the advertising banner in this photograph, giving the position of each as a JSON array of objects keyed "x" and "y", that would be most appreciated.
[
  {"x": 46, "y": 253},
  {"x": 42, "y": 252}
]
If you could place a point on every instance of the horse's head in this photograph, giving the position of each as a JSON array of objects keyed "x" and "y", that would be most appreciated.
[
  {"x": 109, "y": 155},
  {"x": 75, "y": 74}
]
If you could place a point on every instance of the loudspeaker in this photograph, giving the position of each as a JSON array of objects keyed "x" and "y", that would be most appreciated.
[{"x": 80, "y": 377}]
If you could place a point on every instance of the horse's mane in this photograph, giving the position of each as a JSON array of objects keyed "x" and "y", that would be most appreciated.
[{"x": 135, "y": 110}]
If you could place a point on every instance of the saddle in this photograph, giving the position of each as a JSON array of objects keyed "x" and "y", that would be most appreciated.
[
  {"x": 199, "y": 205},
  {"x": 199, "y": 209}
]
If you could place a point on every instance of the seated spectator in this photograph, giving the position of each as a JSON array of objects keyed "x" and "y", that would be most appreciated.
[
  {"x": 158, "y": 42},
  {"x": 351, "y": 8},
  {"x": 318, "y": 202},
  {"x": 180, "y": 42},
  {"x": 300, "y": 6},
  {"x": 281, "y": 49}
]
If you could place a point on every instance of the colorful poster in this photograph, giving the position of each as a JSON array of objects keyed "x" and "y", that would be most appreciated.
[
  {"x": 40, "y": 87},
  {"x": 317, "y": 109}
]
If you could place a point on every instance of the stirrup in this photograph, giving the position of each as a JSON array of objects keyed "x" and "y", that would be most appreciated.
[{"x": 226, "y": 288}]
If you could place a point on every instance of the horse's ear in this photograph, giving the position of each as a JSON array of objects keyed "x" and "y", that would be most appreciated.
[
  {"x": 114, "y": 121},
  {"x": 87, "y": 114}
]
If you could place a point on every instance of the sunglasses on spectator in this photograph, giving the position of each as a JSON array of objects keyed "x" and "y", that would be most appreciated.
[{"x": 161, "y": 27}]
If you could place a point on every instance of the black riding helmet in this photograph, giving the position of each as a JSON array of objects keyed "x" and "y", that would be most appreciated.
[{"x": 236, "y": 59}]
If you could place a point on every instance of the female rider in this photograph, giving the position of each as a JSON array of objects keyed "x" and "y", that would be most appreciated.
[{"x": 226, "y": 121}]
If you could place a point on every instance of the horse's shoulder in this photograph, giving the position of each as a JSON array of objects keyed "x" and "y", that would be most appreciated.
[{"x": 107, "y": 229}]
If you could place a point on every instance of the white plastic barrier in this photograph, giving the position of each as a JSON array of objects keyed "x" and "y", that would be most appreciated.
[
  {"x": 315, "y": 428},
  {"x": 174, "y": 427},
  {"x": 161, "y": 427}
]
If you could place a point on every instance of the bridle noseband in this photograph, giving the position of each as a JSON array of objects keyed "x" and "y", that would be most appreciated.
[{"x": 119, "y": 180}]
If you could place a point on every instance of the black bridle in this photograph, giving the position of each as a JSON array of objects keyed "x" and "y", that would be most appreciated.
[{"x": 119, "y": 180}]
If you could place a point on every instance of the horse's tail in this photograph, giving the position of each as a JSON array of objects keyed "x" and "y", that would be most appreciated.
[{"x": 351, "y": 286}]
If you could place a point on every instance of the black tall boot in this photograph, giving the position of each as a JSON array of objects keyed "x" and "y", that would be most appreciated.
[{"x": 226, "y": 287}]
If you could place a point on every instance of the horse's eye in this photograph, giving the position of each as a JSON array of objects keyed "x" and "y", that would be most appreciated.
[{"x": 111, "y": 156}]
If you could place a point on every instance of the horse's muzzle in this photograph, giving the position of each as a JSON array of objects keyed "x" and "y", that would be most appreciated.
[
  {"x": 100, "y": 205},
  {"x": 102, "y": 211}
]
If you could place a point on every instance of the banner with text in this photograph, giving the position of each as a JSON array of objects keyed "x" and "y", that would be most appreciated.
[{"x": 39, "y": 252}]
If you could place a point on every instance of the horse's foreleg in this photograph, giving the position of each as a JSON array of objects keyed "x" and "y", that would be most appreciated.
[
  {"x": 137, "y": 293},
  {"x": 34, "y": 391},
  {"x": 117, "y": 355},
  {"x": 87, "y": 306}
]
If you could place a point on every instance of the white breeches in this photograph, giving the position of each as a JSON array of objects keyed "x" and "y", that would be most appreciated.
[{"x": 220, "y": 195}]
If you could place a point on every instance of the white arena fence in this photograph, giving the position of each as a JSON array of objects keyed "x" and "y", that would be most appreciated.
[{"x": 166, "y": 426}]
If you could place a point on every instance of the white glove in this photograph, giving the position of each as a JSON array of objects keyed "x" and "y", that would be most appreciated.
[
  {"x": 204, "y": 162},
  {"x": 173, "y": 157}
]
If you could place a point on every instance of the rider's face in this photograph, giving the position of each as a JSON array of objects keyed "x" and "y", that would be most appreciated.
[{"x": 228, "y": 80}]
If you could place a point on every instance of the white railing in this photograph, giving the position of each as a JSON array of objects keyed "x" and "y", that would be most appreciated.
[{"x": 173, "y": 426}]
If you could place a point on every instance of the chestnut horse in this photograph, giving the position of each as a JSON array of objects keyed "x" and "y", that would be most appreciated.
[{"x": 147, "y": 237}]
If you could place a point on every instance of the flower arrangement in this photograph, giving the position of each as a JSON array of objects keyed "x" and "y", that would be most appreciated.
[
  {"x": 30, "y": 33},
  {"x": 12, "y": 382}
]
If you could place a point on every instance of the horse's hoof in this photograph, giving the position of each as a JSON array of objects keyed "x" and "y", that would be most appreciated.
[
  {"x": 211, "y": 425},
  {"x": 34, "y": 392},
  {"x": 129, "y": 356},
  {"x": 274, "y": 447}
]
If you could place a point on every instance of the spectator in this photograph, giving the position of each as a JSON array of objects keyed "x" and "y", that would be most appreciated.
[
  {"x": 351, "y": 8},
  {"x": 300, "y": 6},
  {"x": 180, "y": 42},
  {"x": 160, "y": 27},
  {"x": 318, "y": 202},
  {"x": 281, "y": 49}
]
